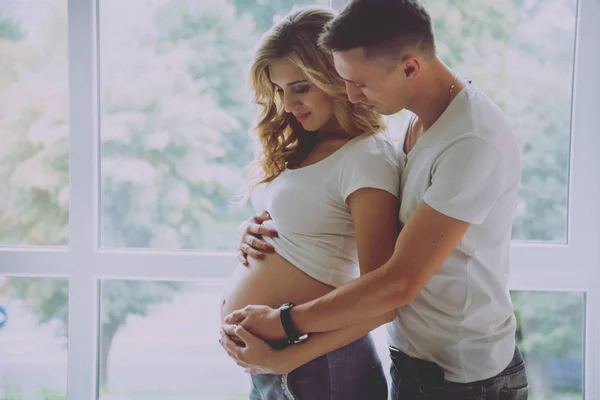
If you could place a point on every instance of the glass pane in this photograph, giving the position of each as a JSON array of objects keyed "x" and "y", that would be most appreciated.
[
  {"x": 160, "y": 341},
  {"x": 175, "y": 115},
  {"x": 521, "y": 53},
  {"x": 34, "y": 164},
  {"x": 33, "y": 338},
  {"x": 551, "y": 337}
]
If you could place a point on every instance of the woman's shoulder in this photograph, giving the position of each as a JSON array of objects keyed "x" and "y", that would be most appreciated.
[{"x": 377, "y": 144}]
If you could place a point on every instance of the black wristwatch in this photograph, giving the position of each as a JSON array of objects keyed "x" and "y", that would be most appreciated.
[{"x": 293, "y": 336}]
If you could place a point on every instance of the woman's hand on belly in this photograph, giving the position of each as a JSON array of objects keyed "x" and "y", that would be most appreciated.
[
  {"x": 250, "y": 242},
  {"x": 255, "y": 355}
]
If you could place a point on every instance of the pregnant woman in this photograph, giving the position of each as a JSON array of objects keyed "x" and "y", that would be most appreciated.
[{"x": 329, "y": 179}]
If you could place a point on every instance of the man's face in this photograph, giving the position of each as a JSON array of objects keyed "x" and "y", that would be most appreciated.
[{"x": 375, "y": 84}]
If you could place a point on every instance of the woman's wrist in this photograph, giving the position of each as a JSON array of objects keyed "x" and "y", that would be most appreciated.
[{"x": 284, "y": 361}]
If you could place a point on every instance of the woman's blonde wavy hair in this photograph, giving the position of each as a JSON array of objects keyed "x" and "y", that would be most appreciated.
[{"x": 281, "y": 137}]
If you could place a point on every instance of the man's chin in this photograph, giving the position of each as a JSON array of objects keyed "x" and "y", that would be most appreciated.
[
  {"x": 388, "y": 111},
  {"x": 384, "y": 112}
]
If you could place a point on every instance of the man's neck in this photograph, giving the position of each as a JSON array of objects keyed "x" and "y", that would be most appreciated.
[{"x": 434, "y": 95}]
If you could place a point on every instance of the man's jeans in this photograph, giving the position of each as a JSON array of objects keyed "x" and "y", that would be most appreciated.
[{"x": 414, "y": 379}]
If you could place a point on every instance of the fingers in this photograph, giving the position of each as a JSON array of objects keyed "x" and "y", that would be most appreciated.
[
  {"x": 235, "y": 317},
  {"x": 242, "y": 258},
  {"x": 230, "y": 347},
  {"x": 243, "y": 334},
  {"x": 259, "y": 219},
  {"x": 246, "y": 249},
  {"x": 230, "y": 332},
  {"x": 259, "y": 229},
  {"x": 257, "y": 243},
  {"x": 233, "y": 351}
]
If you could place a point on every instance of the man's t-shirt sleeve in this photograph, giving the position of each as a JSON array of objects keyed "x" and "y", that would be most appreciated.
[{"x": 467, "y": 179}]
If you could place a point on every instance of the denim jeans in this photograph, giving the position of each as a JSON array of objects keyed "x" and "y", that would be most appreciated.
[
  {"x": 353, "y": 372},
  {"x": 414, "y": 379}
]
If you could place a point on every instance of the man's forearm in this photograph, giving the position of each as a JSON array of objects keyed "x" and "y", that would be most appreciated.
[
  {"x": 371, "y": 295},
  {"x": 322, "y": 343}
]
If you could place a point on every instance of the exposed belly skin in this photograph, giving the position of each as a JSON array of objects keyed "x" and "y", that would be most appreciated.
[{"x": 272, "y": 282}]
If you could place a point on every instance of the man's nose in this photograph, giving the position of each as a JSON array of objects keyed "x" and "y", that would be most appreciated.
[{"x": 355, "y": 95}]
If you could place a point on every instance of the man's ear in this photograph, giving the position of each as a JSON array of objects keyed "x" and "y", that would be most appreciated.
[{"x": 411, "y": 67}]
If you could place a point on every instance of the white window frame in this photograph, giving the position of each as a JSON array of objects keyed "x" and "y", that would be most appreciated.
[{"x": 573, "y": 266}]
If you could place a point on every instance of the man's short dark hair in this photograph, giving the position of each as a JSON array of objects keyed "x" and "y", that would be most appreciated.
[{"x": 382, "y": 28}]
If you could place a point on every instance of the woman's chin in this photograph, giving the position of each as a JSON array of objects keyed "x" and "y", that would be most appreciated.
[{"x": 310, "y": 127}]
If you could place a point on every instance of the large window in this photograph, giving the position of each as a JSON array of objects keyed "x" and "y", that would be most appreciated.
[{"x": 123, "y": 146}]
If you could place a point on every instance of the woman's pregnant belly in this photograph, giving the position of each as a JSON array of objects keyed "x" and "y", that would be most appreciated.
[{"x": 272, "y": 282}]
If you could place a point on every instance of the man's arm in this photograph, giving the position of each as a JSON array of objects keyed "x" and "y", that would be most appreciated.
[
  {"x": 325, "y": 342},
  {"x": 424, "y": 243}
]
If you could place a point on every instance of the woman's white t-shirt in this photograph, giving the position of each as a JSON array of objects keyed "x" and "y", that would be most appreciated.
[{"x": 309, "y": 211}]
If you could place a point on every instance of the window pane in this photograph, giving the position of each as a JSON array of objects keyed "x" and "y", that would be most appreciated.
[
  {"x": 521, "y": 53},
  {"x": 34, "y": 165},
  {"x": 175, "y": 118},
  {"x": 550, "y": 335},
  {"x": 160, "y": 340},
  {"x": 33, "y": 338}
]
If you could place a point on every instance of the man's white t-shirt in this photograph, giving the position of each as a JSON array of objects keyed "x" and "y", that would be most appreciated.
[{"x": 467, "y": 166}]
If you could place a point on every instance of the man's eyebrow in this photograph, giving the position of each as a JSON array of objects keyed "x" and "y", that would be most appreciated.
[{"x": 351, "y": 81}]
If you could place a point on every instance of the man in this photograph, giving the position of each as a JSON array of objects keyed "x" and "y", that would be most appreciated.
[{"x": 454, "y": 331}]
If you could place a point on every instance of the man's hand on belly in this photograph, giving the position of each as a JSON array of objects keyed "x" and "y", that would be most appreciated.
[{"x": 262, "y": 321}]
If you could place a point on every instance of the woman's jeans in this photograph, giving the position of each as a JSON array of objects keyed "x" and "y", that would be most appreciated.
[
  {"x": 414, "y": 379},
  {"x": 353, "y": 372}
]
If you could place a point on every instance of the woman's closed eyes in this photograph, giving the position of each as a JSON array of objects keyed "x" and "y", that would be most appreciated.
[{"x": 296, "y": 89}]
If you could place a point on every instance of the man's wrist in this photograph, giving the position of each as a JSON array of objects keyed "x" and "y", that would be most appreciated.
[
  {"x": 291, "y": 333},
  {"x": 297, "y": 315}
]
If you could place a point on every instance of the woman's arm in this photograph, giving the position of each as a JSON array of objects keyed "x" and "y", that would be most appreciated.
[
  {"x": 376, "y": 225},
  {"x": 375, "y": 217}
]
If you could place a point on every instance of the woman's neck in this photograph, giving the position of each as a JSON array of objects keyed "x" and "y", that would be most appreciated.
[{"x": 332, "y": 130}]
